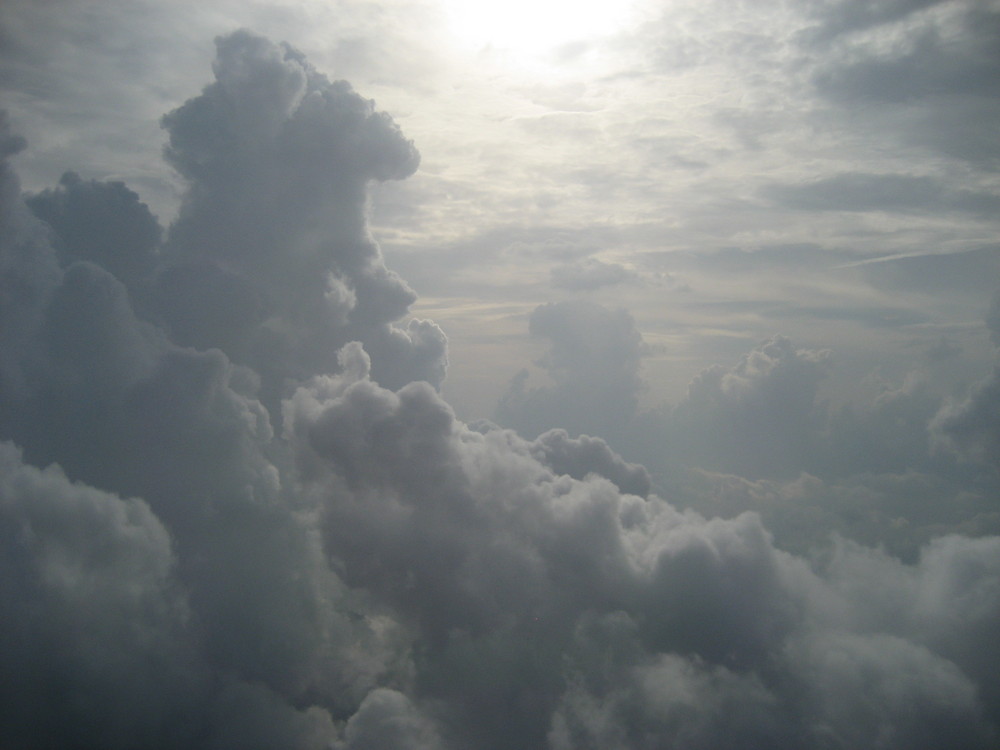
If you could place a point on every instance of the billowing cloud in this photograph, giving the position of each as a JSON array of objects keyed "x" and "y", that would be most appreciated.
[
  {"x": 604, "y": 618},
  {"x": 236, "y": 512},
  {"x": 594, "y": 359},
  {"x": 585, "y": 454},
  {"x": 758, "y": 417},
  {"x": 278, "y": 160},
  {"x": 971, "y": 426},
  {"x": 104, "y": 223}
]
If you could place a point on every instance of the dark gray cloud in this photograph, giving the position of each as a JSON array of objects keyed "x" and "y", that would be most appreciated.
[
  {"x": 89, "y": 385},
  {"x": 938, "y": 84},
  {"x": 89, "y": 598},
  {"x": 848, "y": 16},
  {"x": 993, "y": 320},
  {"x": 101, "y": 222}
]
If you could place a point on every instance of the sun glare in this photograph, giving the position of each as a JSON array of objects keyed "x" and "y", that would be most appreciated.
[{"x": 532, "y": 28}]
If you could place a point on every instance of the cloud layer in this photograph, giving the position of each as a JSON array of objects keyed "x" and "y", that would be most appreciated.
[{"x": 236, "y": 512}]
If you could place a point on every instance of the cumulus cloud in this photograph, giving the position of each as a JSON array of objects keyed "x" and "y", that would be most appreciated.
[
  {"x": 235, "y": 511},
  {"x": 278, "y": 159},
  {"x": 605, "y": 619},
  {"x": 89, "y": 599},
  {"x": 759, "y": 417},
  {"x": 971, "y": 426},
  {"x": 104, "y": 223},
  {"x": 594, "y": 359},
  {"x": 585, "y": 454},
  {"x": 758, "y": 435}
]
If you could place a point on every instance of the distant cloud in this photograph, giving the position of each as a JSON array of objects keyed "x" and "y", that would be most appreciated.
[
  {"x": 758, "y": 417},
  {"x": 578, "y": 457},
  {"x": 856, "y": 15},
  {"x": 593, "y": 359},
  {"x": 971, "y": 425},
  {"x": 993, "y": 320},
  {"x": 882, "y": 192},
  {"x": 942, "y": 75},
  {"x": 590, "y": 274}
]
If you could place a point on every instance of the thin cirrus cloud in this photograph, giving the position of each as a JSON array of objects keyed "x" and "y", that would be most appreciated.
[{"x": 237, "y": 511}]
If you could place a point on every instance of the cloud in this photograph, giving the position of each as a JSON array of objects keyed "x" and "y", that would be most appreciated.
[
  {"x": 758, "y": 435},
  {"x": 89, "y": 599},
  {"x": 861, "y": 191},
  {"x": 972, "y": 270},
  {"x": 758, "y": 417},
  {"x": 106, "y": 395},
  {"x": 278, "y": 159},
  {"x": 508, "y": 570},
  {"x": 938, "y": 81},
  {"x": 853, "y": 16},
  {"x": 236, "y": 512},
  {"x": 971, "y": 426},
  {"x": 589, "y": 275},
  {"x": 104, "y": 223},
  {"x": 580, "y": 456},
  {"x": 993, "y": 320},
  {"x": 386, "y": 720},
  {"x": 594, "y": 358}
]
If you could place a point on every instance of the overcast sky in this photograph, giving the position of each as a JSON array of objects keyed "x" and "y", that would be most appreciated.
[{"x": 439, "y": 374}]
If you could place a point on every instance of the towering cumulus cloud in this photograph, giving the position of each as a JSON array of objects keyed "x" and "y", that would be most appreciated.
[
  {"x": 271, "y": 259},
  {"x": 593, "y": 359},
  {"x": 236, "y": 513}
]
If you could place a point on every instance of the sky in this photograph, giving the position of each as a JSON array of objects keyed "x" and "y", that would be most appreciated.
[{"x": 434, "y": 374}]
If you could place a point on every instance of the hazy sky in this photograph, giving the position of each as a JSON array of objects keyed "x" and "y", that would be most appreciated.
[
  {"x": 442, "y": 375},
  {"x": 719, "y": 169}
]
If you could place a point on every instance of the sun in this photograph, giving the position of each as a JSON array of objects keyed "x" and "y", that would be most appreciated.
[{"x": 531, "y": 28}]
